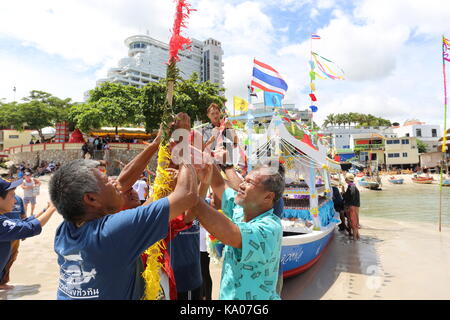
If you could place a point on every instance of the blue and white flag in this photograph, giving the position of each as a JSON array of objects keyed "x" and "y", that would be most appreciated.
[
  {"x": 272, "y": 99},
  {"x": 268, "y": 79}
]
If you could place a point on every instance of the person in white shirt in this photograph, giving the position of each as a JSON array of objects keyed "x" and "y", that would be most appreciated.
[{"x": 141, "y": 188}]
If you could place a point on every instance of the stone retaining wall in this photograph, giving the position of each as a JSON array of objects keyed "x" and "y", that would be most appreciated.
[{"x": 64, "y": 156}]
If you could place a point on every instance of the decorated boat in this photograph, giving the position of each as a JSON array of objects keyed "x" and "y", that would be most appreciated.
[
  {"x": 369, "y": 183},
  {"x": 394, "y": 180},
  {"x": 423, "y": 180},
  {"x": 309, "y": 218}
]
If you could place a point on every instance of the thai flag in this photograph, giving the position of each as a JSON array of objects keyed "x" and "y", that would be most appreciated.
[
  {"x": 268, "y": 79},
  {"x": 315, "y": 36}
]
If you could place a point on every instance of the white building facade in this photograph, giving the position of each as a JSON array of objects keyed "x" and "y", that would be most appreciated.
[
  {"x": 147, "y": 58},
  {"x": 428, "y": 133},
  {"x": 342, "y": 137}
]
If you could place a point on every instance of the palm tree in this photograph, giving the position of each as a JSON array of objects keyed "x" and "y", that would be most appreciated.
[
  {"x": 330, "y": 120},
  {"x": 339, "y": 119}
]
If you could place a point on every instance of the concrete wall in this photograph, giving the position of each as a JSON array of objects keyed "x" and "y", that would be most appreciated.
[
  {"x": 64, "y": 156},
  {"x": 430, "y": 159},
  {"x": 10, "y": 138}
]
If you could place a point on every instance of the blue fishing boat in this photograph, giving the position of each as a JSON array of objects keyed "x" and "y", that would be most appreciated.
[
  {"x": 393, "y": 180},
  {"x": 446, "y": 183},
  {"x": 369, "y": 183}
]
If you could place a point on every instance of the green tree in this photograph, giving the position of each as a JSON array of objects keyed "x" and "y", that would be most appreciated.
[
  {"x": 190, "y": 97},
  {"x": 421, "y": 146},
  {"x": 9, "y": 115},
  {"x": 110, "y": 104}
]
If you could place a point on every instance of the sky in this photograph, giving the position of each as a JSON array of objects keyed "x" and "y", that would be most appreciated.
[{"x": 390, "y": 51}]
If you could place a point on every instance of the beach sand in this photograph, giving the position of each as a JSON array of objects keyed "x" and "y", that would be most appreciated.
[{"x": 393, "y": 260}]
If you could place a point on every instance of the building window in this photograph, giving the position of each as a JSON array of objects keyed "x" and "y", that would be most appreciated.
[
  {"x": 393, "y": 155},
  {"x": 418, "y": 132},
  {"x": 14, "y": 136},
  {"x": 405, "y": 141},
  {"x": 434, "y": 133},
  {"x": 407, "y": 135},
  {"x": 405, "y": 154}
]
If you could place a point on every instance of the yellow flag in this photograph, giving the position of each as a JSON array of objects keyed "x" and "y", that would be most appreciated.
[
  {"x": 240, "y": 104},
  {"x": 313, "y": 86}
]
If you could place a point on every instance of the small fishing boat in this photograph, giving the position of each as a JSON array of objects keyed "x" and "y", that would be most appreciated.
[
  {"x": 446, "y": 183},
  {"x": 423, "y": 180},
  {"x": 393, "y": 180},
  {"x": 369, "y": 183}
]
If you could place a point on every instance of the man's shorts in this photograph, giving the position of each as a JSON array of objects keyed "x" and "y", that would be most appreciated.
[{"x": 31, "y": 200}]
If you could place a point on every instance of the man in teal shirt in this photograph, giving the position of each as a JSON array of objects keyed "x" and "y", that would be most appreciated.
[{"x": 251, "y": 233}]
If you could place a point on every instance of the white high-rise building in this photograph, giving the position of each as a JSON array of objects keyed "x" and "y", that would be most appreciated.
[{"x": 147, "y": 61}]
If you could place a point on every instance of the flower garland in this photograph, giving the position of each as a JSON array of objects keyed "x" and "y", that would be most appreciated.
[
  {"x": 162, "y": 186},
  {"x": 161, "y": 189}
]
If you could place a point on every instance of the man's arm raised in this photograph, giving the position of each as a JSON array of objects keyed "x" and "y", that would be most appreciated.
[
  {"x": 217, "y": 224},
  {"x": 133, "y": 170},
  {"x": 185, "y": 195}
]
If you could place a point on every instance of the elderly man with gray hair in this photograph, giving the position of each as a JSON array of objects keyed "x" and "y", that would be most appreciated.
[
  {"x": 98, "y": 245},
  {"x": 250, "y": 230}
]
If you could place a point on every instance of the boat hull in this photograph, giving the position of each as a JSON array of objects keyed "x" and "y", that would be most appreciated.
[
  {"x": 300, "y": 252},
  {"x": 423, "y": 181},
  {"x": 396, "y": 181},
  {"x": 369, "y": 185}
]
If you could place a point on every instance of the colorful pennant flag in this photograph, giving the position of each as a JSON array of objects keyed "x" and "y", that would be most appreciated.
[
  {"x": 324, "y": 69},
  {"x": 445, "y": 47},
  {"x": 315, "y": 36},
  {"x": 313, "y": 97}
]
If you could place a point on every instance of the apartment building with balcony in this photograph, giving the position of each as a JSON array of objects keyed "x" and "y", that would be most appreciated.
[
  {"x": 368, "y": 147},
  {"x": 401, "y": 152},
  {"x": 428, "y": 133}
]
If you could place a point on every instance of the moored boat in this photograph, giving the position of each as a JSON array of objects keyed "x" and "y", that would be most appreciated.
[
  {"x": 394, "y": 180},
  {"x": 446, "y": 183},
  {"x": 423, "y": 180},
  {"x": 369, "y": 183}
]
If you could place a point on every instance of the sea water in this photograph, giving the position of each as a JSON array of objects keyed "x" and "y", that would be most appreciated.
[{"x": 407, "y": 202}]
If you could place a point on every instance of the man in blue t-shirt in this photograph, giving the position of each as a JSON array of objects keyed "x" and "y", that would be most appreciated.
[
  {"x": 98, "y": 249},
  {"x": 12, "y": 228}
]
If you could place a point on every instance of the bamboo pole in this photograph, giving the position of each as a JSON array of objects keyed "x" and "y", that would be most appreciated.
[{"x": 444, "y": 145}]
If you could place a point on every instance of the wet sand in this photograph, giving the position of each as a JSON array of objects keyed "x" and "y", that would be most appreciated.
[{"x": 393, "y": 260}]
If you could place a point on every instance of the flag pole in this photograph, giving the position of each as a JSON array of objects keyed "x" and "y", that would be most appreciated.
[
  {"x": 250, "y": 129},
  {"x": 311, "y": 59},
  {"x": 444, "y": 145}
]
